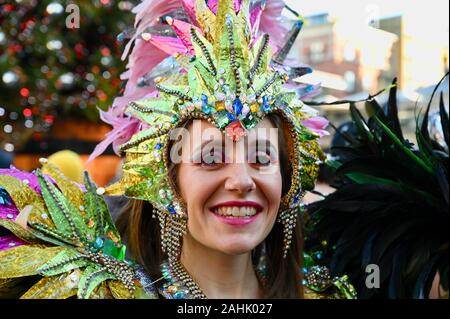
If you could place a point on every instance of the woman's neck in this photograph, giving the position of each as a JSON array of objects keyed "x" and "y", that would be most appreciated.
[{"x": 220, "y": 275}]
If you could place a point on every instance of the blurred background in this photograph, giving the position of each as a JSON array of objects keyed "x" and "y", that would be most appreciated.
[
  {"x": 357, "y": 47},
  {"x": 54, "y": 79}
]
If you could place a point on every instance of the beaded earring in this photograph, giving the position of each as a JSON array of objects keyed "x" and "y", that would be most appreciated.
[
  {"x": 288, "y": 219},
  {"x": 173, "y": 227}
]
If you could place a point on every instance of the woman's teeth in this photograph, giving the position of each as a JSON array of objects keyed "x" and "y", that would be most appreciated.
[{"x": 236, "y": 211}]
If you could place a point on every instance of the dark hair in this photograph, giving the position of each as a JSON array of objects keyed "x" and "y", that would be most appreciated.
[{"x": 284, "y": 275}]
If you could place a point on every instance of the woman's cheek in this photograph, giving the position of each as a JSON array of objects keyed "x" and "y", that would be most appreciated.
[
  {"x": 271, "y": 185},
  {"x": 200, "y": 189}
]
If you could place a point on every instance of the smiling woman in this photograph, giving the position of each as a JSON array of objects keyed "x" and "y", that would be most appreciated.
[
  {"x": 213, "y": 212},
  {"x": 232, "y": 207}
]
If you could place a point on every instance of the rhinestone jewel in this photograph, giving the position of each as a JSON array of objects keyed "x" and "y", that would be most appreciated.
[
  {"x": 235, "y": 130},
  {"x": 254, "y": 107},
  {"x": 204, "y": 100},
  {"x": 171, "y": 209},
  {"x": 246, "y": 109},
  {"x": 237, "y": 106},
  {"x": 231, "y": 116},
  {"x": 220, "y": 105},
  {"x": 265, "y": 104}
]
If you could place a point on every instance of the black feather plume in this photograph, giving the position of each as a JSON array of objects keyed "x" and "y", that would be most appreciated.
[{"x": 390, "y": 207}]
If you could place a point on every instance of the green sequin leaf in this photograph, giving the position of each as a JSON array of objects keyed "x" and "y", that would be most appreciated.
[
  {"x": 205, "y": 79},
  {"x": 163, "y": 111},
  {"x": 223, "y": 57},
  {"x": 265, "y": 58},
  {"x": 66, "y": 217},
  {"x": 155, "y": 103},
  {"x": 51, "y": 237},
  {"x": 193, "y": 82},
  {"x": 201, "y": 57},
  {"x": 149, "y": 191},
  {"x": 112, "y": 249},
  {"x": 65, "y": 261},
  {"x": 98, "y": 210},
  {"x": 92, "y": 277},
  {"x": 284, "y": 99},
  {"x": 57, "y": 216},
  {"x": 148, "y": 172}
]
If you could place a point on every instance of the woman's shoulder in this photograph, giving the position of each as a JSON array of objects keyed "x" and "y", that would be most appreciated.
[{"x": 319, "y": 283}]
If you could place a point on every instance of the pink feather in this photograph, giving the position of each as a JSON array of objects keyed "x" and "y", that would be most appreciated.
[
  {"x": 124, "y": 129},
  {"x": 148, "y": 54},
  {"x": 183, "y": 31},
  {"x": 124, "y": 126},
  {"x": 169, "y": 45},
  {"x": 255, "y": 20},
  {"x": 212, "y": 5},
  {"x": 317, "y": 124},
  {"x": 144, "y": 58},
  {"x": 271, "y": 22},
  {"x": 189, "y": 8},
  {"x": 147, "y": 13},
  {"x": 132, "y": 93}
]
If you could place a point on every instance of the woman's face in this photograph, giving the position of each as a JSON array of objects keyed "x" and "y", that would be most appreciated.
[{"x": 232, "y": 190}]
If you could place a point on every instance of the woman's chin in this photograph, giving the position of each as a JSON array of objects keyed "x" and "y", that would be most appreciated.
[{"x": 236, "y": 247}]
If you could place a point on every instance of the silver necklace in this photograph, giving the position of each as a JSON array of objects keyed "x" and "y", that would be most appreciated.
[{"x": 182, "y": 275}]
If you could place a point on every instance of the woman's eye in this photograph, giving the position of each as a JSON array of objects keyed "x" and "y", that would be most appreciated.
[
  {"x": 262, "y": 158},
  {"x": 213, "y": 159}
]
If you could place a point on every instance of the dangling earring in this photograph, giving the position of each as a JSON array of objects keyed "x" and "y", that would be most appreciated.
[
  {"x": 173, "y": 227},
  {"x": 288, "y": 219}
]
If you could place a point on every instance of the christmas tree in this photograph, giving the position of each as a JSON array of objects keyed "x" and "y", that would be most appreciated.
[{"x": 58, "y": 59}]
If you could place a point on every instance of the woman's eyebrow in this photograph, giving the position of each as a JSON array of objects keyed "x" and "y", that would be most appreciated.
[
  {"x": 263, "y": 142},
  {"x": 214, "y": 143}
]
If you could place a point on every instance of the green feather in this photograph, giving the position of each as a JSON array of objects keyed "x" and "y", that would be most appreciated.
[
  {"x": 374, "y": 109},
  {"x": 392, "y": 111},
  {"x": 333, "y": 164},
  {"x": 406, "y": 150},
  {"x": 360, "y": 123},
  {"x": 362, "y": 178}
]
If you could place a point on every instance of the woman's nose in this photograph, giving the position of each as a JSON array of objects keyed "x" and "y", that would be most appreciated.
[{"x": 239, "y": 179}]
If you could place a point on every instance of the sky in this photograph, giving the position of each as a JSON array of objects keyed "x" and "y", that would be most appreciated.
[{"x": 433, "y": 13}]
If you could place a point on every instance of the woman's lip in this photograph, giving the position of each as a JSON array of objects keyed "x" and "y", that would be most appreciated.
[
  {"x": 236, "y": 221},
  {"x": 258, "y": 207}
]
